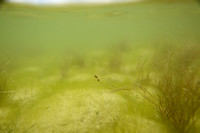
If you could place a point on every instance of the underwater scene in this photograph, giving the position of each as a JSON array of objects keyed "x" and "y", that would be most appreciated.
[{"x": 131, "y": 67}]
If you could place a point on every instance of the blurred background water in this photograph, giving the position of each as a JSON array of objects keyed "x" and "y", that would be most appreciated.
[
  {"x": 30, "y": 32},
  {"x": 26, "y": 29}
]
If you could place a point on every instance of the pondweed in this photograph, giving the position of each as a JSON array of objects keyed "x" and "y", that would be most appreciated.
[
  {"x": 175, "y": 89},
  {"x": 3, "y": 82}
]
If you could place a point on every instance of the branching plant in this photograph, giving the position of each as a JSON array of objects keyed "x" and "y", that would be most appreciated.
[
  {"x": 176, "y": 92},
  {"x": 171, "y": 84},
  {"x": 177, "y": 97},
  {"x": 3, "y": 82}
]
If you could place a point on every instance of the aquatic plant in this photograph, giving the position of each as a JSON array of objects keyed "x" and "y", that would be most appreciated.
[
  {"x": 143, "y": 72},
  {"x": 175, "y": 92},
  {"x": 64, "y": 69},
  {"x": 177, "y": 97},
  {"x": 116, "y": 53},
  {"x": 72, "y": 61},
  {"x": 3, "y": 82}
]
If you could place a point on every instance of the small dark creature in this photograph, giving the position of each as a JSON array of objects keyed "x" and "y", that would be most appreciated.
[{"x": 97, "y": 78}]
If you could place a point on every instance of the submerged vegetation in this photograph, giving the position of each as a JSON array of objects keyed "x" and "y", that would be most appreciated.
[
  {"x": 176, "y": 87},
  {"x": 162, "y": 90},
  {"x": 160, "y": 87},
  {"x": 170, "y": 81},
  {"x": 116, "y": 80},
  {"x": 178, "y": 97},
  {"x": 3, "y": 82},
  {"x": 171, "y": 85}
]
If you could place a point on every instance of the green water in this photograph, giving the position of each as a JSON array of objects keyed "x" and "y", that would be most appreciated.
[
  {"x": 52, "y": 55},
  {"x": 90, "y": 27}
]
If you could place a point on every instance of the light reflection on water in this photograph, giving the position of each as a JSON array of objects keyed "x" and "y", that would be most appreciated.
[{"x": 59, "y": 2}]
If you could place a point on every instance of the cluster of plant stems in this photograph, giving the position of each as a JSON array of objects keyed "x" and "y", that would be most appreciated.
[
  {"x": 3, "y": 82},
  {"x": 174, "y": 88},
  {"x": 170, "y": 81}
]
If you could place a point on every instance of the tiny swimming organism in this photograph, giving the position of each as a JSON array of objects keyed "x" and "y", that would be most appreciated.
[{"x": 97, "y": 78}]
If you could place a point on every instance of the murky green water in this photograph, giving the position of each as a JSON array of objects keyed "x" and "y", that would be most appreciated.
[
  {"x": 24, "y": 29},
  {"x": 54, "y": 53}
]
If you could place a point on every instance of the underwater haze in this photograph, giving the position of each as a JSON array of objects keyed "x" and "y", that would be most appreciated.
[
  {"x": 103, "y": 68},
  {"x": 61, "y": 2}
]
